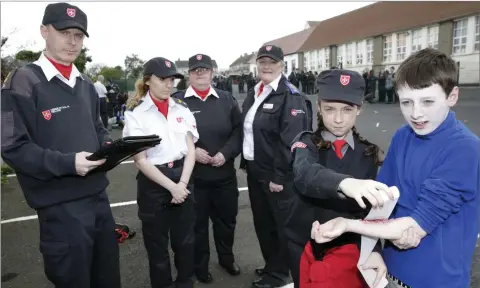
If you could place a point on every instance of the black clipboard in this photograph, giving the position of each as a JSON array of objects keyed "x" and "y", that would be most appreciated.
[{"x": 122, "y": 149}]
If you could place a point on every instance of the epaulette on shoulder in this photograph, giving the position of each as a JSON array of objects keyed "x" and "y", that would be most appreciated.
[
  {"x": 304, "y": 135},
  {"x": 86, "y": 78},
  {"x": 178, "y": 101},
  {"x": 292, "y": 88},
  {"x": 22, "y": 80},
  {"x": 301, "y": 140},
  {"x": 178, "y": 94},
  {"x": 133, "y": 108}
]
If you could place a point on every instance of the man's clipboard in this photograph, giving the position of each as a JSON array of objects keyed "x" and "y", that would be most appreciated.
[{"x": 122, "y": 149}]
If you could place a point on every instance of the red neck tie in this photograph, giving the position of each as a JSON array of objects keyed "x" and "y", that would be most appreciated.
[
  {"x": 338, "y": 144},
  {"x": 260, "y": 89}
]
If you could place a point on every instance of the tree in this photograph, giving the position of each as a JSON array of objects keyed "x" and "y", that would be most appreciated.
[
  {"x": 82, "y": 60},
  {"x": 133, "y": 66},
  {"x": 27, "y": 56},
  {"x": 112, "y": 73}
]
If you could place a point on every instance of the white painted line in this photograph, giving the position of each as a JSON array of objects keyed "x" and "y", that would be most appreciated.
[
  {"x": 120, "y": 204},
  {"x": 124, "y": 162}
]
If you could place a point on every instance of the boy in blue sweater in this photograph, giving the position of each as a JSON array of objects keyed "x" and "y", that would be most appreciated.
[{"x": 434, "y": 161}]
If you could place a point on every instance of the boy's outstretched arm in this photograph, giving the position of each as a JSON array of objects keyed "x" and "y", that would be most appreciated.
[{"x": 392, "y": 229}]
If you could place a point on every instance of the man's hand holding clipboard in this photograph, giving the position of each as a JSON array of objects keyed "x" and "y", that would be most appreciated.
[{"x": 122, "y": 149}]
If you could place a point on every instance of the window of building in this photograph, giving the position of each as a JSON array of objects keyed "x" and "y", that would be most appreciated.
[
  {"x": 477, "y": 34},
  {"x": 285, "y": 69},
  {"x": 326, "y": 52},
  {"x": 432, "y": 37},
  {"x": 416, "y": 40},
  {"x": 359, "y": 53},
  {"x": 349, "y": 54},
  {"x": 320, "y": 59},
  {"x": 370, "y": 51},
  {"x": 305, "y": 62},
  {"x": 387, "y": 48},
  {"x": 294, "y": 64},
  {"x": 401, "y": 46},
  {"x": 460, "y": 36},
  {"x": 340, "y": 56},
  {"x": 313, "y": 60}
]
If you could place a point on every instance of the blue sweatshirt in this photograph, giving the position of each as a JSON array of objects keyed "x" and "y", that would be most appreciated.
[{"x": 438, "y": 178}]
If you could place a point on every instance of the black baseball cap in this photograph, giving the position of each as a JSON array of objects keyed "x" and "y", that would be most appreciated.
[
  {"x": 65, "y": 16},
  {"x": 200, "y": 61},
  {"x": 271, "y": 51},
  {"x": 162, "y": 68},
  {"x": 341, "y": 85}
]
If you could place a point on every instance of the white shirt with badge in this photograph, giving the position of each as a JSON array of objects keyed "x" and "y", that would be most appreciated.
[
  {"x": 50, "y": 71},
  {"x": 191, "y": 93},
  {"x": 145, "y": 119},
  {"x": 248, "y": 147}
]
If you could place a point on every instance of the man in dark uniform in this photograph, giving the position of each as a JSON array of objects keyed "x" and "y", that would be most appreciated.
[
  {"x": 50, "y": 117},
  {"x": 304, "y": 81},
  {"x": 293, "y": 78},
  {"x": 241, "y": 83},
  {"x": 274, "y": 112},
  {"x": 219, "y": 123}
]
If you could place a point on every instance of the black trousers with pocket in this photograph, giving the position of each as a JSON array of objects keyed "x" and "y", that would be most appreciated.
[
  {"x": 79, "y": 244},
  {"x": 163, "y": 222},
  {"x": 270, "y": 211},
  {"x": 216, "y": 200}
]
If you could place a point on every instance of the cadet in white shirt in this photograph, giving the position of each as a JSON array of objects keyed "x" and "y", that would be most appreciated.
[{"x": 165, "y": 202}]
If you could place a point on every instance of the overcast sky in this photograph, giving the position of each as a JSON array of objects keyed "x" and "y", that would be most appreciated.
[{"x": 172, "y": 30}]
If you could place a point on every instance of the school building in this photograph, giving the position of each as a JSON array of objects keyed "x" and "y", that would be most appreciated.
[{"x": 384, "y": 34}]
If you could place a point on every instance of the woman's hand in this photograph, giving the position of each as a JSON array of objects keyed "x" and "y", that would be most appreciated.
[
  {"x": 328, "y": 231},
  {"x": 375, "y": 262},
  {"x": 179, "y": 193}
]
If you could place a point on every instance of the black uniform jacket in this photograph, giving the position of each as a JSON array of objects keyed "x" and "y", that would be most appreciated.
[
  {"x": 284, "y": 113},
  {"x": 44, "y": 124},
  {"x": 316, "y": 187},
  {"x": 219, "y": 125}
]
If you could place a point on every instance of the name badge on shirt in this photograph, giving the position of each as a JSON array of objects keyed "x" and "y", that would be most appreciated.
[{"x": 268, "y": 106}]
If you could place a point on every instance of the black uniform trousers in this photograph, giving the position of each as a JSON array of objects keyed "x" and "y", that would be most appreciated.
[
  {"x": 104, "y": 111},
  {"x": 295, "y": 252},
  {"x": 270, "y": 211},
  {"x": 217, "y": 200},
  {"x": 79, "y": 243},
  {"x": 159, "y": 219}
]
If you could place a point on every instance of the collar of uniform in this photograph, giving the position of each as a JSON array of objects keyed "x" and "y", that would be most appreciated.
[
  {"x": 328, "y": 136},
  {"x": 190, "y": 92},
  {"x": 50, "y": 71},
  {"x": 273, "y": 84},
  {"x": 148, "y": 102}
]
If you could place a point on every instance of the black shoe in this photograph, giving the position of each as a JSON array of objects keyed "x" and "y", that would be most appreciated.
[
  {"x": 232, "y": 268},
  {"x": 268, "y": 282},
  {"x": 207, "y": 279},
  {"x": 259, "y": 271}
]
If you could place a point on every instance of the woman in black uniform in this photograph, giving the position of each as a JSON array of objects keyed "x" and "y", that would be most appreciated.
[
  {"x": 323, "y": 159},
  {"x": 165, "y": 202},
  {"x": 274, "y": 112},
  {"x": 216, "y": 189}
]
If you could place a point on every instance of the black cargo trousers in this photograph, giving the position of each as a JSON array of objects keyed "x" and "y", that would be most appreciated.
[{"x": 161, "y": 219}]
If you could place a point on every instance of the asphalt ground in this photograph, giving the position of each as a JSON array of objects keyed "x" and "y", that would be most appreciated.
[{"x": 22, "y": 265}]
